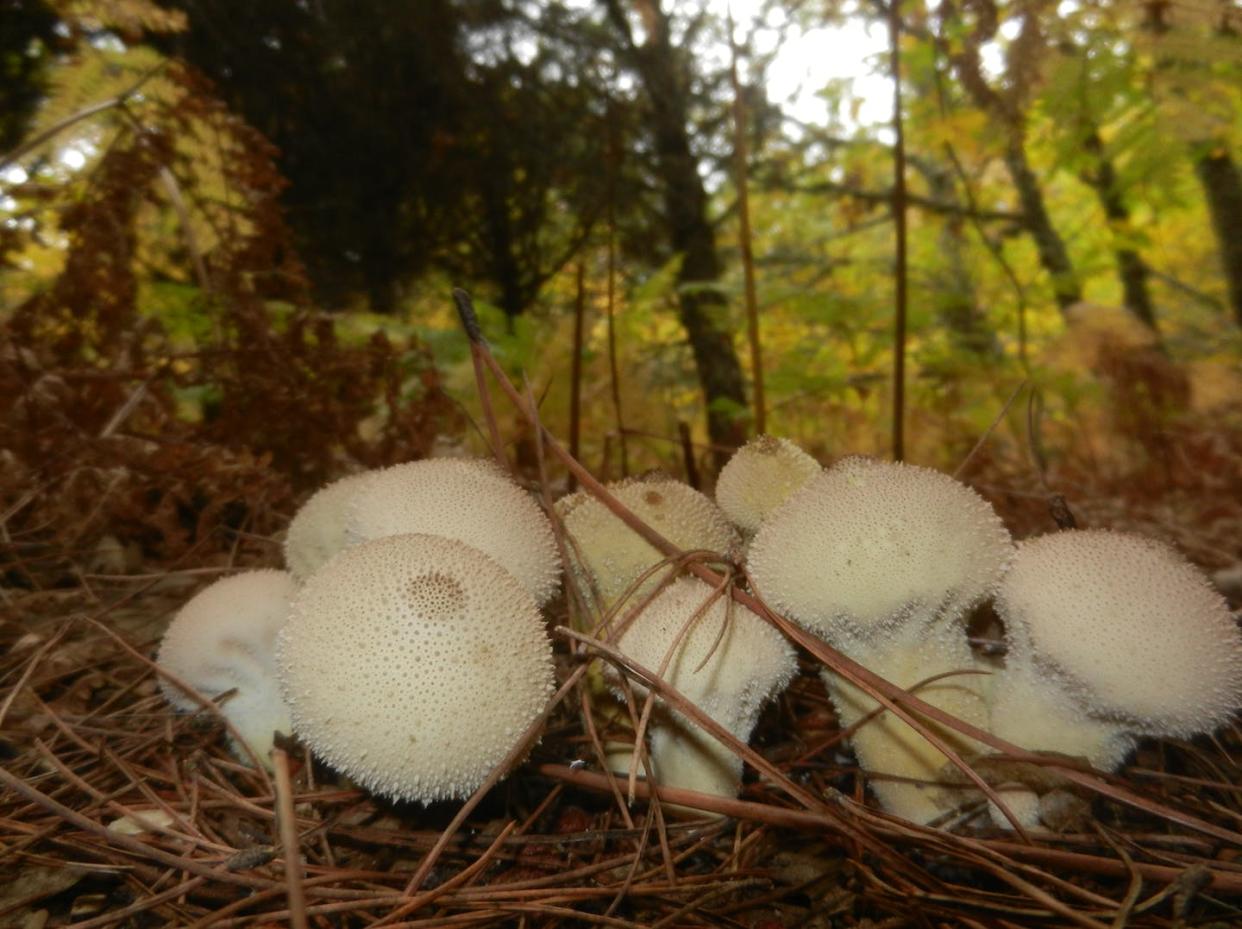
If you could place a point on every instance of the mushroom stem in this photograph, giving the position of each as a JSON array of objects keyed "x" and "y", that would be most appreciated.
[
  {"x": 1027, "y": 712},
  {"x": 936, "y": 666},
  {"x": 683, "y": 755},
  {"x": 727, "y": 662},
  {"x": 257, "y": 718}
]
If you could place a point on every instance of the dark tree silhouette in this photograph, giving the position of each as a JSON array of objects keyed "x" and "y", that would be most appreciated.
[{"x": 661, "y": 69}]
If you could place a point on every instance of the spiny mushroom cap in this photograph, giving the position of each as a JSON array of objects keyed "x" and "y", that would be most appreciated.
[
  {"x": 413, "y": 664},
  {"x": 745, "y": 661},
  {"x": 1130, "y": 628},
  {"x": 470, "y": 500},
  {"x": 607, "y": 552},
  {"x": 868, "y": 545},
  {"x": 317, "y": 531},
  {"x": 224, "y": 639},
  {"x": 760, "y": 477}
]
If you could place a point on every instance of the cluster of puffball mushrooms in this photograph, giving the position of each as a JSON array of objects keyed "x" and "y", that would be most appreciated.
[{"x": 405, "y": 647}]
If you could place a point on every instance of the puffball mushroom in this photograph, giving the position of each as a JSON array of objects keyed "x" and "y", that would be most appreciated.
[
  {"x": 607, "y": 553},
  {"x": 744, "y": 663},
  {"x": 317, "y": 530},
  {"x": 883, "y": 561},
  {"x": 413, "y": 664},
  {"x": 470, "y": 500},
  {"x": 224, "y": 639},
  {"x": 760, "y": 477},
  {"x": 1111, "y": 636}
]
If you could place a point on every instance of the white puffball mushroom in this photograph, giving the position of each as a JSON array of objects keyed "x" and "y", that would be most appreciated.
[
  {"x": 867, "y": 547},
  {"x": 760, "y": 477},
  {"x": 607, "y": 553},
  {"x": 413, "y": 664},
  {"x": 224, "y": 639},
  {"x": 884, "y": 561},
  {"x": 471, "y": 500},
  {"x": 317, "y": 530},
  {"x": 745, "y": 662},
  {"x": 1112, "y": 636}
]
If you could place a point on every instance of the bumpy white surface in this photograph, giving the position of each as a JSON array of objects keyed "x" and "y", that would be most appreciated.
[
  {"x": 1128, "y": 627},
  {"x": 868, "y": 545},
  {"x": 413, "y": 664},
  {"x": 750, "y": 662},
  {"x": 224, "y": 638},
  {"x": 317, "y": 530},
  {"x": 760, "y": 477},
  {"x": 470, "y": 500},
  {"x": 607, "y": 553}
]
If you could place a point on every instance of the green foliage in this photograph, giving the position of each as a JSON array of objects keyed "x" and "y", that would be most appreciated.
[{"x": 496, "y": 155}]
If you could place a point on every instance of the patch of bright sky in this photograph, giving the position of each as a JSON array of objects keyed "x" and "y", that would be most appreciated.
[
  {"x": 72, "y": 158},
  {"x": 992, "y": 55},
  {"x": 852, "y": 54}
]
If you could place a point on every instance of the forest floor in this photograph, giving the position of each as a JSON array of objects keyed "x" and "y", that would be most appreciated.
[{"x": 117, "y": 812}]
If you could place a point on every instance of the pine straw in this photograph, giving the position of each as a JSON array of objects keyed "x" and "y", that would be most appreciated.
[{"x": 87, "y": 740}]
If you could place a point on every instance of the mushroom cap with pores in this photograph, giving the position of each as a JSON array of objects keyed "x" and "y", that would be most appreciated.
[
  {"x": 760, "y": 477},
  {"x": 1127, "y": 626},
  {"x": 317, "y": 530},
  {"x": 867, "y": 545},
  {"x": 223, "y": 639},
  {"x": 470, "y": 500},
  {"x": 606, "y": 552},
  {"x": 413, "y": 664},
  {"x": 745, "y": 661}
]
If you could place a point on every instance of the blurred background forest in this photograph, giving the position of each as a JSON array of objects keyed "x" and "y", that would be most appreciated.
[{"x": 229, "y": 230}]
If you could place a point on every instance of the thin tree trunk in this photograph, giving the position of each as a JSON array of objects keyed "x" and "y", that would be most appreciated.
[
  {"x": 899, "y": 221},
  {"x": 575, "y": 372},
  {"x": 614, "y": 375},
  {"x": 1222, "y": 186},
  {"x": 702, "y": 305},
  {"x": 744, "y": 236}
]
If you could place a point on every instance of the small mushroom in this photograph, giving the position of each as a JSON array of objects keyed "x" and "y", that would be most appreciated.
[
  {"x": 413, "y": 664},
  {"x": 224, "y": 640},
  {"x": 884, "y": 561},
  {"x": 1111, "y": 637},
  {"x": 317, "y": 530},
  {"x": 760, "y": 477},
  {"x": 470, "y": 500},
  {"x": 721, "y": 657},
  {"x": 1036, "y": 795},
  {"x": 607, "y": 554}
]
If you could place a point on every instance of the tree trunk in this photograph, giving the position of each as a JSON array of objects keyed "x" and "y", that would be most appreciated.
[
  {"x": 1217, "y": 172},
  {"x": 702, "y": 305},
  {"x": 1222, "y": 185},
  {"x": 1130, "y": 266},
  {"x": 1053, "y": 254},
  {"x": 1007, "y": 106}
]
